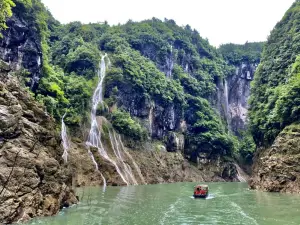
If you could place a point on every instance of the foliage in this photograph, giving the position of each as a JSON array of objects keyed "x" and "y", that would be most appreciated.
[
  {"x": 141, "y": 55},
  {"x": 246, "y": 147},
  {"x": 5, "y": 12},
  {"x": 275, "y": 91},
  {"x": 236, "y": 54},
  {"x": 123, "y": 123},
  {"x": 206, "y": 132}
]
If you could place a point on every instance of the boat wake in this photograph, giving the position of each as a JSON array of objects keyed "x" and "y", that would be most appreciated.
[
  {"x": 207, "y": 198},
  {"x": 242, "y": 213}
]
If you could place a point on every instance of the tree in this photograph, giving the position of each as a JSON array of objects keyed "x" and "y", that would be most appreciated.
[{"x": 5, "y": 12}]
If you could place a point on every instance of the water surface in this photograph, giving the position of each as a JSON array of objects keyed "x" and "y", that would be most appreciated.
[{"x": 228, "y": 204}]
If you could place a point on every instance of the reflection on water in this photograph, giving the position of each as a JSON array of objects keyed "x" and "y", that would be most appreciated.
[{"x": 228, "y": 203}]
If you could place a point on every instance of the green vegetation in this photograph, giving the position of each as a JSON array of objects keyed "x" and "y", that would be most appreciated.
[
  {"x": 141, "y": 55},
  {"x": 246, "y": 148},
  {"x": 276, "y": 87},
  {"x": 236, "y": 54},
  {"x": 207, "y": 132},
  {"x": 124, "y": 124},
  {"x": 5, "y": 12}
]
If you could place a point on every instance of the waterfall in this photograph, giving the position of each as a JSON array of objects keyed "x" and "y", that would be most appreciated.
[
  {"x": 20, "y": 59},
  {"x": 132, "y": 160},
  {"x": 177, "y": 142},
  {"x": 65, "y": 141},
  {"x": 126, "y": 169},
  {"x": 151, "y": 118},
  {"x": 94, "y": 138},
  {"x": 226, "y": 96},
  {"x": 172, "y": 118},
  {"x": 186, "y": 70},
  {"x": 241, "y": 175},
  {"x": 170, "y": 63},
  {"x": 39, "y": 60}
]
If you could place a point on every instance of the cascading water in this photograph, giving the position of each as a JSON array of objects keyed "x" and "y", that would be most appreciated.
[
  {"x": 186, "y": 69},
  {"x": 124, "y": 167},
  {"x": 65, "y": 141},
  {"x": 94, "y": 138},
  {"x": 151, "y": 118},
  {"x": 172, "y": 118},
  {"x": 241, "y": 175},
  {"x": 226, "y": 96},
  {"x": 132, "y": 160},
  {"x": 170, "y": 63}
]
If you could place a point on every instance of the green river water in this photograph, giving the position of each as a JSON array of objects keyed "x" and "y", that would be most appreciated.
[{"x": 228, "y": 203}]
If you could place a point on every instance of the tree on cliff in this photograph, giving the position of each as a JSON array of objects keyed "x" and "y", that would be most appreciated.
[
  {"x": 5, "y": 12},
  {"x": 274, "y": 102}
]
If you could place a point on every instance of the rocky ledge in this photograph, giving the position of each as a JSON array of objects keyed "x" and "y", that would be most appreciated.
[
  {"x": 155, "y": 167},
  {"x": 277, "y": 169},
  {"x": 32, "y": 180}
]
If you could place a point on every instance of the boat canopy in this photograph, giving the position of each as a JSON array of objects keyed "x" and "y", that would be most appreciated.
[{"x": 202, "y": 187}]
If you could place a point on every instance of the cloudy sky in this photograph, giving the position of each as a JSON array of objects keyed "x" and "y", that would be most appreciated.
[{"x": 221, "y": 21}]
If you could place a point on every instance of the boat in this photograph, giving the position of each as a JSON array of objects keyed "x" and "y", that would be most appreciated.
[{"x": 201, "y": 191}]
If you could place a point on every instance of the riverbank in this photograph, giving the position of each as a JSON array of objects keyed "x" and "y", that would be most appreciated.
[{"x": 148, "y": 167}]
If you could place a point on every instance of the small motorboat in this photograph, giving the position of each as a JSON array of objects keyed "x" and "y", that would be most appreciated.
[{"x": 200, "y": 191}]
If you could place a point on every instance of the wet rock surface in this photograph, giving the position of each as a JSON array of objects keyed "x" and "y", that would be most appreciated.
[
  {"x": 276, "y": 169},
  {"x": 21, "y": 45},
  {"x": 232, "y": 95},
  {"x": 238, "y": 96},
  {"x": 32, "y": 180},
  {"x": 156, "y": 166}
]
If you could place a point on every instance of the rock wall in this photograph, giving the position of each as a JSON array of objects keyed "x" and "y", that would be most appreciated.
[
  {"x": 32, "y": 180},
  {"x": 238, "y": 95},
  {"x": 156, "y": 166},
  {"x": 277, "y": 168},
  {"x": 232, "y": 96},
  {"x": 21, "y": 45}
]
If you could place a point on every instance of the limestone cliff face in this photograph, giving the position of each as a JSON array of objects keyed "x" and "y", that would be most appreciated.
[
  {"x": 238, "y": 95},
  {"x": 277, "y": 168},
  {"x": 232, "y": 95},
  {"x": 164, "y": 122},
  {"x": 149, "y": 163},
  {"x": 33, "y": 181},
  {"x": 20, "y": 45}
]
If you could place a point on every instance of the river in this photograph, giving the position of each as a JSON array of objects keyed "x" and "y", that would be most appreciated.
[{"x": 228, "y": 204}]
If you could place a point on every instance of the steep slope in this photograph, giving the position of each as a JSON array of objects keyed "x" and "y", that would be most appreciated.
[
  {"x": 163, "y": 92},
  {"x": 32, "y": 180},
  {"x": 164, "y": 84},
  {"x": 245, "y": 58},
  {"x": 274, "y": 106}
]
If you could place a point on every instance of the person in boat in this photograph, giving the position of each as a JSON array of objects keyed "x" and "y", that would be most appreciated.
[
  {"x": 197, "y": 191},
  {"x": 201, "y": 191}
]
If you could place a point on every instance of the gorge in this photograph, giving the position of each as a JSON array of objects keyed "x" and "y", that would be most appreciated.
[{"x": 145, "y": 102}]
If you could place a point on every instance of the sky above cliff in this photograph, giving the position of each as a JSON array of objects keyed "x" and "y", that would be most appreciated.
[{"x": 221, "y": 21}]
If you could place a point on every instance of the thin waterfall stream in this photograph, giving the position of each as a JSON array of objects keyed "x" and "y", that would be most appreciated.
[
  {"x": 65, "y": 140},
  {"x": 127, "y": 168},
  {"x": 132, "y": 160},
  {"x": 94, "y": 138}
]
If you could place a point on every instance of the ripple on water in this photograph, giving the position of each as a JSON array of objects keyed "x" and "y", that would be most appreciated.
[{"x": 228, "y": 204}]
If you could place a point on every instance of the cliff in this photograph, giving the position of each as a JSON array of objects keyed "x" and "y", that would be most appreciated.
[
  {"x": 276, "y": 168},
  {"x": 160, "y": 109},
  {"x": 274, "y": 108},
  {"x": 236, "y": 87},
  {"x": 33, "y": 181},
  {"x": 20, "y": 45}
]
